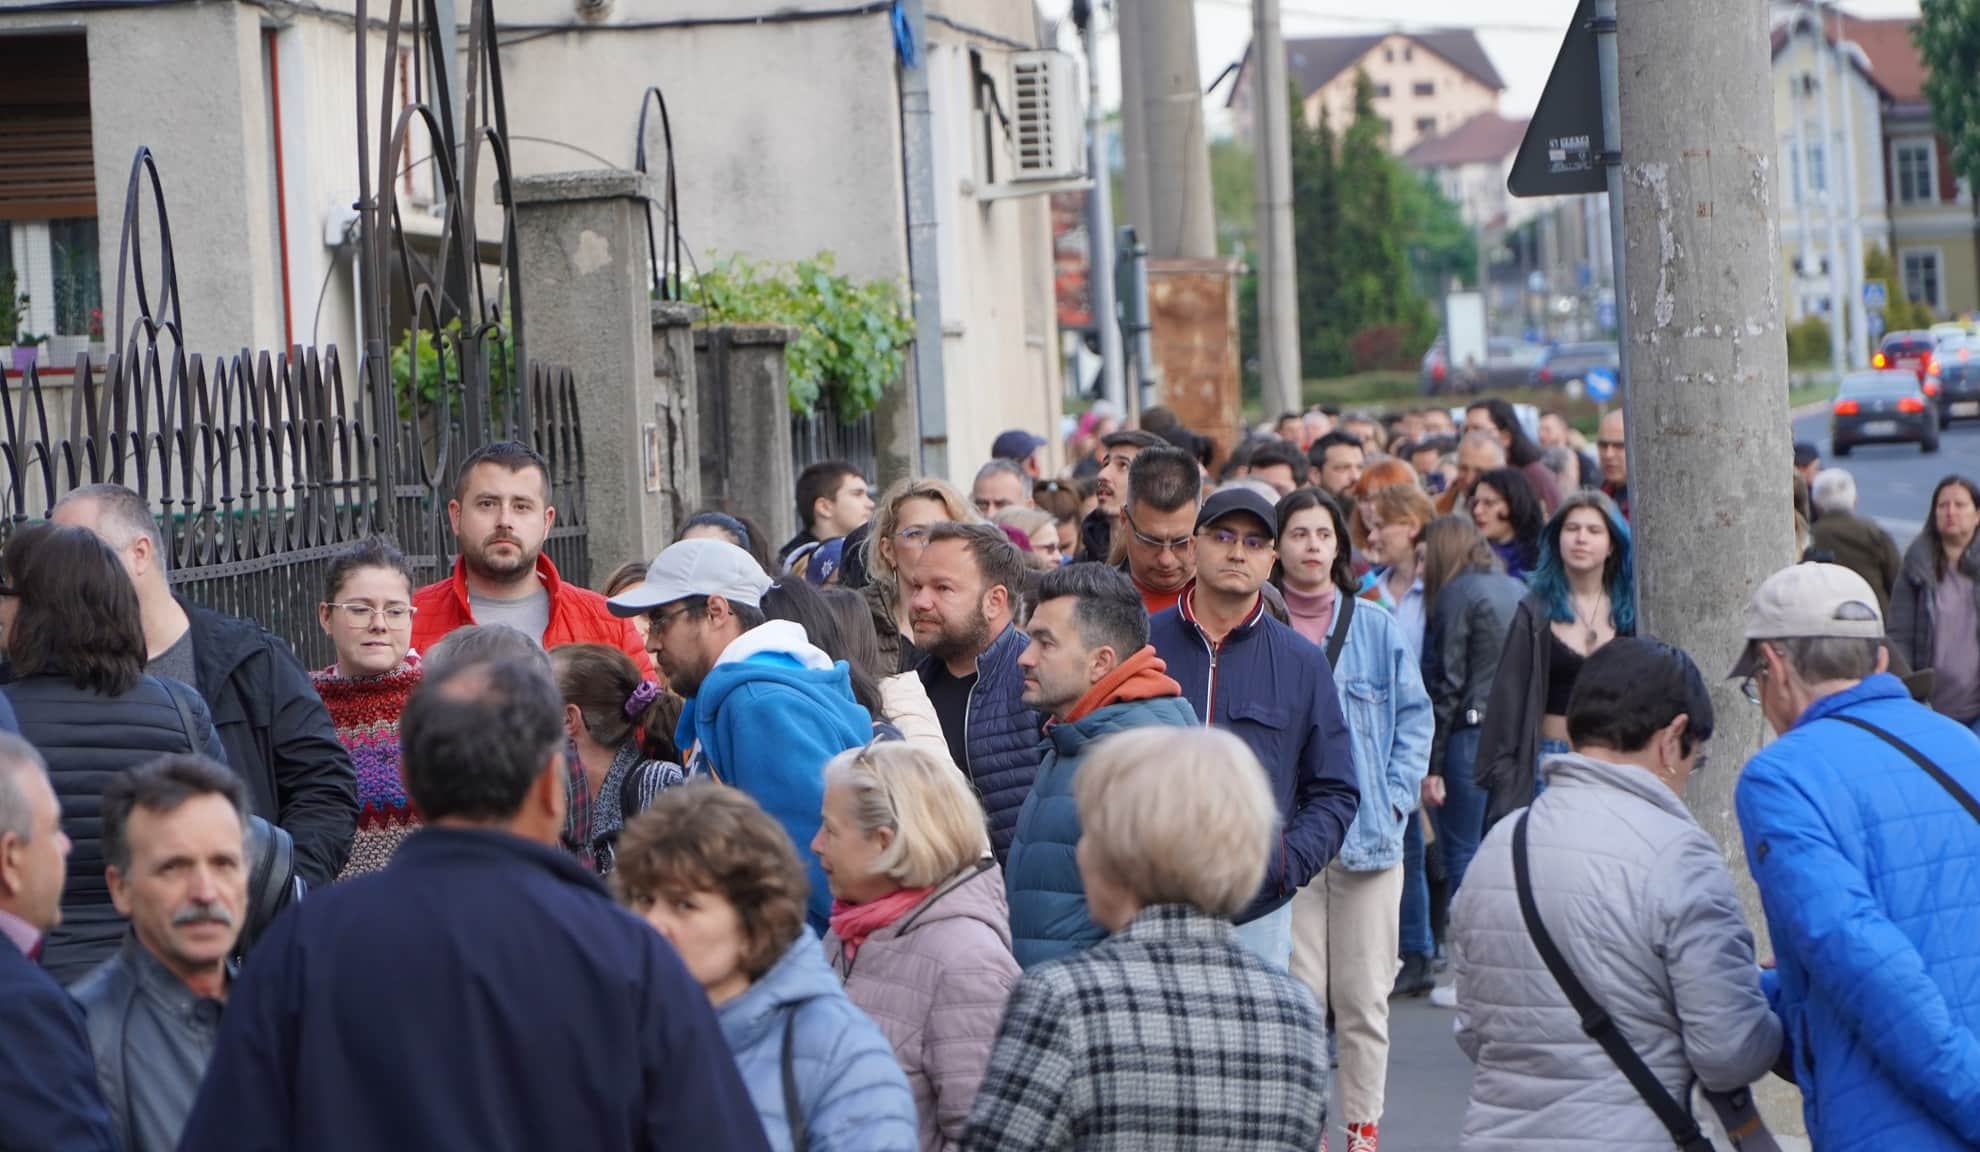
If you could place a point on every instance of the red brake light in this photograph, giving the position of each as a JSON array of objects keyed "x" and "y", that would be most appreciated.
[
  {"x": 1932, "y": 386},
  {"x": 1878, "y": 361},
  {"x": 1910, "y": 404},
  {"x": 1846, "y": 408},
  {"x": 1932, "y": 365}
]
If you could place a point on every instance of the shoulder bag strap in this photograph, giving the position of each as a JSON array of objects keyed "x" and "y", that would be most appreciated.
[
  {"x": 1594, "y": 1020},
  {"x": 1964, "y": 797},
  {"x": 793, "y": 1108},
  {"x": 186, "y": 722},
  {"x": 1345, "y": 608}
]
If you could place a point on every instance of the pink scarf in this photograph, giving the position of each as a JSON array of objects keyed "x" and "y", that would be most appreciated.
[{"x": 855, "y": 922}]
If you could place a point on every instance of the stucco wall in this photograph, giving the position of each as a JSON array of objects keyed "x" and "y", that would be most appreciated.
[{"x": 1457, "y": 96}]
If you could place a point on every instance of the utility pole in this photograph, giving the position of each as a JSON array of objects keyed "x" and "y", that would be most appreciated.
[
  {"x": 931, "y": 399},
  {"x": 1837, "y": 279},
  {"x": 1181, "y": 222},
  {"x": 1130, "y": 17},
  {"x": 1709, "y": 441},
  {"x": 1100, "y": 217},
  {"x": 1859, "y": 320},
  {"x": 1278, "y": 287}
]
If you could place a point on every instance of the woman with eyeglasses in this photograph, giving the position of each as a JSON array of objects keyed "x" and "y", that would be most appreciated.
[
  {"x": 367, "y": 612},
  {"x": 921, "y": 932},
  {"x": 1041, "y": 536},
  {"x": 75, "y": 640},
  {"x": 900, "y": 531},
  {"x": 1065, "y": 503}
]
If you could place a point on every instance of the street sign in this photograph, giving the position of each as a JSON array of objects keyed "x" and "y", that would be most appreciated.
[
  {"x": 1600, "y": 384},
  {"x": 1561, "y": 154},
  {"x": 1605, "y": 312},
  {"x": 1873, "y": 295},
  {"x": 1874, "y": 321}
]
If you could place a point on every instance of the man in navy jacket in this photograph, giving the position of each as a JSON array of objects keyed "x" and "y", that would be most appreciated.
[
  {"x": 1268, "y": 685},
  {"x": 49, "y": 1097},
  {"x": 482, "y": 991}
]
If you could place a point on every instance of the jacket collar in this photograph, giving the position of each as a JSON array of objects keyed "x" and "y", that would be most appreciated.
[
  {"x": 1162, "y": 922},
  {"x": 160, "y": 984},
  {"x": 1919, "y": 562},
  {"x": 553, "y": 584},
  {"x": 1250, "y": 624},
  {"x": 221, "y": 643},
  {"x": 968, "y": 873},
  {"x": 1882, "y": 686},
  {"x": 434, "y": 845},
  {"x": 999, "y": 650},
  {"x": 1570, "y": 768}
]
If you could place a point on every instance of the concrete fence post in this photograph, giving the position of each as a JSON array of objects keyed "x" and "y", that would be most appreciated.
[{"x": 743, "y": 410}]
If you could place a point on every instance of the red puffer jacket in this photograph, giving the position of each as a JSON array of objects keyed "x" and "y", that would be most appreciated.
[{"x": 577, "y": 615}]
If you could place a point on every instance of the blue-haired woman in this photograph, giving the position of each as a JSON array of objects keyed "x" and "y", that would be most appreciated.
[{"x": 1580, "y": 597}]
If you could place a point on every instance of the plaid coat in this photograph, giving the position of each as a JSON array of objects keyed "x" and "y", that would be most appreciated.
[{"x": 1169, "y": 1035}]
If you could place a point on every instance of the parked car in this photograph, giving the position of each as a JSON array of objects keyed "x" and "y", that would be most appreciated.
[
  {"x": 1958, "y": 380},
  {"x": 1885, "y": 406},
  {"x": 1564, "y": 365}
]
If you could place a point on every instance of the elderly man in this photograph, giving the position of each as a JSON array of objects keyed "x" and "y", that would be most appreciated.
[
  {"x": 1856, "y": 542},
  {"x": 1612, "y": 456},
  {"x": 173, "y": 842},
  {"x": 1863, "y": 834},
  {"x": 1000, "y": 484}
]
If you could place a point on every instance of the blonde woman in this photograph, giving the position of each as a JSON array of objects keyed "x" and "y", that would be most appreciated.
[
  {"x": 920, "y": 932},
  {"x": 1041, "y": 534},
  {"x": 1170, "y": 1035},
  {"x": 900, "y": 530}
]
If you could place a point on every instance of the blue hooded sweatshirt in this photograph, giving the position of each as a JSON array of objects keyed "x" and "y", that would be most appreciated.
[{"x": 767, "y": 718}]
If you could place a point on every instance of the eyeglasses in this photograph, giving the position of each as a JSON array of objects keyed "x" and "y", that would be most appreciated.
[
  {"x": 1179, "y": 544},
  {"x": 660, "y": 618},
  {"x": 396, "y": 615},
  {"x": 915, "y": 535},
  {"x": 1750, "y": 687},
  {"x": 1252, "y": 541}
]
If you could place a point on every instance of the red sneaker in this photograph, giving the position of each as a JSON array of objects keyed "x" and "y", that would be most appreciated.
[{"x": 1361, "y": 1138}]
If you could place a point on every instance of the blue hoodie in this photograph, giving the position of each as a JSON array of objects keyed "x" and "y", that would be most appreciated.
[
  {"x": 768, "y": 717},
  {"x": 850, "y": 1088}
]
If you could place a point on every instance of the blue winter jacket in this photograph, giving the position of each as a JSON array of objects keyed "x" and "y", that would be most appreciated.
[
  {"x": 1002, "y": 734},
  {"x": 850, "y": 1088},
  {"x": 1047, "y": 898},
  {"x": 1869, "y": 872},
  {"x": 1390, "y": 726},
  {"x": 1271, "y": 687},
  {"x": 768, "y": 717}
]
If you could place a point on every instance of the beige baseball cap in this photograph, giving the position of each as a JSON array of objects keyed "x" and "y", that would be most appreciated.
[{"x": 1805, "y": 600}]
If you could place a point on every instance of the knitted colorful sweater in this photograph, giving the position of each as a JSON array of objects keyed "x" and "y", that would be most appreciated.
[{"x": 366, "y": 713}]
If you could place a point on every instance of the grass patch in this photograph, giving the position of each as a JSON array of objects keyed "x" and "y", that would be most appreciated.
[{"x": 1810, "y": 390}]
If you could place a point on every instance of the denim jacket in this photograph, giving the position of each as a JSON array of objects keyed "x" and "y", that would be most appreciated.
[{"x": 1390, "y": 725}]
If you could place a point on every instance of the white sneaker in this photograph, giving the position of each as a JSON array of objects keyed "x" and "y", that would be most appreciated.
[{"x": 1444, "y": 996}]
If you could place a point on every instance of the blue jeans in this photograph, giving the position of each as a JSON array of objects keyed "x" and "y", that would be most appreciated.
[
  {"x": 1547, "y": 748},
  {"x": 1413, "y": 932},
  {"x": 1270, "y": 936},
  {"x": 1461, "y": 820}
]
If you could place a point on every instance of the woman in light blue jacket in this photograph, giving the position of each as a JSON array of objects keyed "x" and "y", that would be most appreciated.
[
  {"x": 1346, "y": 920},
  {"x": 720, "y": 880}
]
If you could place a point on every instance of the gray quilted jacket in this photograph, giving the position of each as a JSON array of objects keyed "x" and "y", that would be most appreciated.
[
  {"x": 935, "y": 981},
  {"x": 1638, "y": 899}
]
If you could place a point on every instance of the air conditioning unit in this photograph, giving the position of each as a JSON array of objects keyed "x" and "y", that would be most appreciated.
[{"x": 1048, "y": 130}]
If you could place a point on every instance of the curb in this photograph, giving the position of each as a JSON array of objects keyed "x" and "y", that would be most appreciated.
[{"x": 1808, "y": 409}]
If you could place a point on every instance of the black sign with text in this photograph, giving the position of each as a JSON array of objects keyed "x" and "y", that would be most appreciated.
[{"x": 1562, "y": 152}]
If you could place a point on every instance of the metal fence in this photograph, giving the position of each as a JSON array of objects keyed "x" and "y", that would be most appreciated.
[{"x": 823, "y": 436}]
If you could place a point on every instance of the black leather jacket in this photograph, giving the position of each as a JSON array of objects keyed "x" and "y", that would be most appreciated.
[
  {"x": 1470, "y": 620},
  {"x": 145, "y": 1025}
]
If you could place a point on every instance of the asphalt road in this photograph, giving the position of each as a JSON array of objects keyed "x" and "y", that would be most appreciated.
[
  {"x": 1429, "y": 1082},
  {"x": 1894, "y": 482}
]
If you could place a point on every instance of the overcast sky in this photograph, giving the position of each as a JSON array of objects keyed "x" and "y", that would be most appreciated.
[{"x": 1520, "y": 35}]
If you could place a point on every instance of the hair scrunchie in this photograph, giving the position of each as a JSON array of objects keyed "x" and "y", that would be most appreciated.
[{"x": 642, "y": 698}]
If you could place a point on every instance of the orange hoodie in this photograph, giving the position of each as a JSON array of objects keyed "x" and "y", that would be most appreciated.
[{"x": 1142, "y": 676}]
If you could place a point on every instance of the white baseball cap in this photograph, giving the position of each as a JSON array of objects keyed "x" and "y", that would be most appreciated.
[
  {"x": 695, "y": 568},
  {"x": 1809, "y": 600}
]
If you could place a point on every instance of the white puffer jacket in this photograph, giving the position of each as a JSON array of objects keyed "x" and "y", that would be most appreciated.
[{"x": 1638, "y": 899}]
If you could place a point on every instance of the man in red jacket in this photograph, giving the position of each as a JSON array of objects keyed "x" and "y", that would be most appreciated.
[{"x": 501, "y": 515}]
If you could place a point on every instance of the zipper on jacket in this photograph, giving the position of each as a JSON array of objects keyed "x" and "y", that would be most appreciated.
[{"x": 1210, "y": 693}]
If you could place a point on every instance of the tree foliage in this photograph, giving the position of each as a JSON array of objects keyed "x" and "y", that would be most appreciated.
[{"x": 1948, "y": 39}]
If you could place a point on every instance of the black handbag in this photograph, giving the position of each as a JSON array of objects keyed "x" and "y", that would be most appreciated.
[
  {"x": 1735, "y": 1109},
  {"x": 270, "y": 851}
]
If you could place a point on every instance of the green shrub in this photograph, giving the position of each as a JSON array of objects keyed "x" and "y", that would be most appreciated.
[{"x": 1808, "y": 341}]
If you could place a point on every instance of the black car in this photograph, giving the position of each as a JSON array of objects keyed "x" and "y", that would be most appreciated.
[
  {"x": 1566, "y": 364},
  {"x": 1958, "y": 374},
  {"x": 1888, "y": 406}
]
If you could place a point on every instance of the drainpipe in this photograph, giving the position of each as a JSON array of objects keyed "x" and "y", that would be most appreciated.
[{"x": 931, "y": 401}]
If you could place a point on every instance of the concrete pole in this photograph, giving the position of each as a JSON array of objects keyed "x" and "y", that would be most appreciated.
[
  {"x": 1859, "y": 319},
  {"x": 1707, "y": 357},
  {"x": 931, "y": 400},
  {"x": 1837, "y": 279},
  {"x": 1278, "y": 286},
  {"x": 1100, "y": 227},
  {"x": 1129, "y": 19},
  {"x": 1181, "y": 222}
]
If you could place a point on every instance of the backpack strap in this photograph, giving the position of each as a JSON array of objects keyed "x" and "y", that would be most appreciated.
[
  {"x": 186, "y": 722},
  {"x": 1596, "y": 1022},
  {"x": 1344, "y": 605},
  {"x": 793, "y": 1108},
  {"x": 1964, "y": 797}
]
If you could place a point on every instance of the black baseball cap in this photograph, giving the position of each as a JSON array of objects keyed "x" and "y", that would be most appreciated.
[
  {"x": 1238, "y": 498},
  {"x": 1805, "y": 454}
]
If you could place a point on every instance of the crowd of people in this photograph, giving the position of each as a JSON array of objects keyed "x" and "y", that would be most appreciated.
[{"x": 1105, "y": 809}]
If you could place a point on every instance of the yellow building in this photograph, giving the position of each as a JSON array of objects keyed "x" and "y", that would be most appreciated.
[{"x": 1426, "y": 83}]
